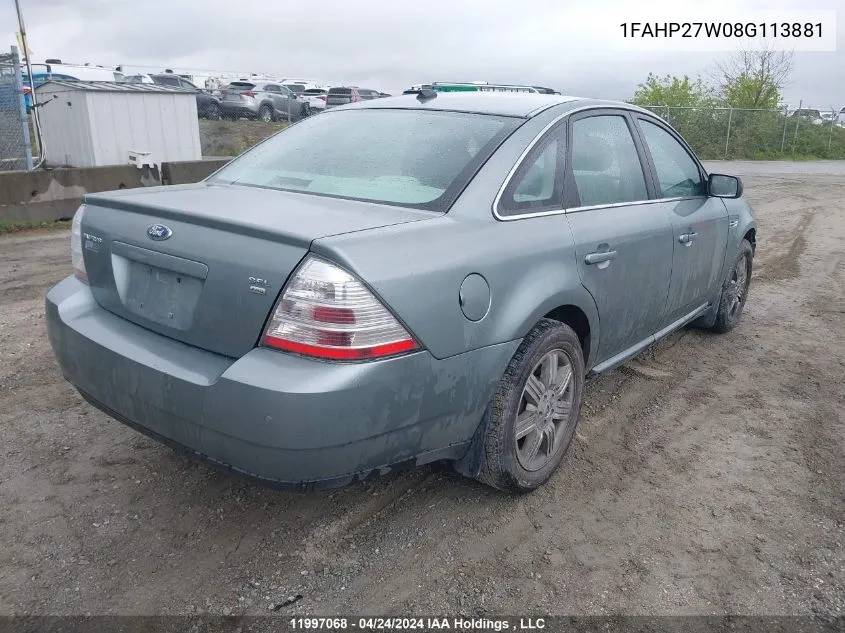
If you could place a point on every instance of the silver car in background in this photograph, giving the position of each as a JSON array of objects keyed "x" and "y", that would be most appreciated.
[{"x": 263, "y": 100}]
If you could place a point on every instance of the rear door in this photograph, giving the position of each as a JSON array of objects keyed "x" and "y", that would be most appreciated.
[
  {"x": 700, "y": 223},
  {"x": 274, "y": 94},
  {"x": 290, "y": 103},
  {"x": 623, "y": 238}
]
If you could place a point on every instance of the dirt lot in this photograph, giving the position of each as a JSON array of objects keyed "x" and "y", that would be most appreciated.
[{"x": 708, "y": 476}]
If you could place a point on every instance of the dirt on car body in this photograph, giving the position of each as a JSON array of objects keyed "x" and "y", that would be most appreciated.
[{"x": 706, "y": 476}]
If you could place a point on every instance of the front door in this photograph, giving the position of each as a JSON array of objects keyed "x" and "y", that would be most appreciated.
[
  {"x": 623, "y": 240},
  {"x": 699, "y": 222}
]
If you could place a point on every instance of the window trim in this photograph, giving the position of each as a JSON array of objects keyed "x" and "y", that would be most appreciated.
[
  {"x": 684, "y": 145},
  {"x": 629, "y": 112},
  {"x": 572, "y": 197}
]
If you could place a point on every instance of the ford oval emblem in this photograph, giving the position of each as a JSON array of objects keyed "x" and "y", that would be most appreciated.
[{"x": 159, "y": 232}]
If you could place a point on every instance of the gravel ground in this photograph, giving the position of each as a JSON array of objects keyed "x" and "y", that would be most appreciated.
[{"x": 707, "y": 477}]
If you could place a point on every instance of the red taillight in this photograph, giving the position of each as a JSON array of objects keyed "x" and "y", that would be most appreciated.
[
  {"x": 248, "y": 93},
  {"x": 27, "y": 90},
  {"x": 322, "y": 97},
  {"x": 76, "y": 258},
  {"x": 354, "y": 98},
  {"x": 328, "y": 313}
]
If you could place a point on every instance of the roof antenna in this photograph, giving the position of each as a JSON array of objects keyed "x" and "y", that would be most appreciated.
[{"x": 424, "y": 94}]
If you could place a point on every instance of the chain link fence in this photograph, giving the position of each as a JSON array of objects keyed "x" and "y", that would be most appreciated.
[
  {"x": 15, "y": 148},
  {"x": 737, "y": 133}
]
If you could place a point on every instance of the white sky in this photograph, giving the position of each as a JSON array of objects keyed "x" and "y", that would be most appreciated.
[{"x": 390, "y": 44}]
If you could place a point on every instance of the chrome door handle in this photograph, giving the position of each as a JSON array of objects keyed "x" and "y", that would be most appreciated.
[
  {"x": 686, "y": 238},
  {"x": 733, "y": 223},
  {"x": 598, "y": 258}
]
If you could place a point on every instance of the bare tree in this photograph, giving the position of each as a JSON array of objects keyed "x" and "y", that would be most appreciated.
[{"x": 754, "y": 78}]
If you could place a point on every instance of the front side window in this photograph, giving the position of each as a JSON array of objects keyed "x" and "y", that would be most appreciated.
[
  {"x": 407, "y": 157},
  {"x": 677, "y": 173},
  {"x": 605, "y": 162}
]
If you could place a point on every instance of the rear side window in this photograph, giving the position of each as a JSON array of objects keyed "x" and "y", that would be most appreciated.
[
  {"x": 605, "y": 162},
  {"x": 537, "y": 182},
  {"x": 340, "y": 91},
  {"x": 677, "y": 173},
  {"x": 241, "y": 85},
  {"x": 412, "y": 158}
]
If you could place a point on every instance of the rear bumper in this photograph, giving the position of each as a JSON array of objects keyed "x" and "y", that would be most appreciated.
[{"x": 281, "y": 418}]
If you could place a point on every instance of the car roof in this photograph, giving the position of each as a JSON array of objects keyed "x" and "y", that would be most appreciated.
[{"x": 524, "y": 105}]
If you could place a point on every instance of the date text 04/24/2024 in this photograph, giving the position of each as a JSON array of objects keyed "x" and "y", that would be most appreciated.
[{"x": 418, "y": 624}]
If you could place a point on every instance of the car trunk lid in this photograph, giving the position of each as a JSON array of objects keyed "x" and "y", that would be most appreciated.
[
  {"x": 238, "y": 91},
  {"x": 203, "y": 264}
]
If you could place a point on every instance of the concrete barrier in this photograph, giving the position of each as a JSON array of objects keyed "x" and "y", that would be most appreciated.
[
  {"x": 185, "y": 172},
  {"x": 32, "y": 197}
]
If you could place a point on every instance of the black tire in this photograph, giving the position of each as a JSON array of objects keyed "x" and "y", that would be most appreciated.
[
  {"x": 212, "y": 112},
  {"x": 731, "y": 305},
  {"x": 501, "y": 455},
  {"x": 306, "y": 110},
  {"x": 265, "y": 114}
]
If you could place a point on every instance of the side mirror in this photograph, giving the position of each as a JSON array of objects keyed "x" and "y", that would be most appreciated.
[{"x": 723, "y": 186}]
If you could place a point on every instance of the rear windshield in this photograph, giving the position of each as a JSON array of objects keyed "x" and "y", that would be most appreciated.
[
  {"x": 340, "y": 91},
  {"x": 241, "y": 85},
  {"x": 315, "y": 91},
  {"x": 412, "y": 158}
]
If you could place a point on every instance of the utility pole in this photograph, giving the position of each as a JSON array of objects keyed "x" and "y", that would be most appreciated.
[{"x": 32, "y": 97}]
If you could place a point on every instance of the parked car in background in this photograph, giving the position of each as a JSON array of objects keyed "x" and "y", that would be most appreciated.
[
  {"x": 810, "y": 114},
  {"x": 263, "y": 100},
  {"x": 208, "y": 106},
  {"x": 310, "y": 93},
  {"x": 366, "y": 94},
  {"x": 399, "y": 282},
  {"x": 546, "y": 91},
  {"x": 316, "y": 98},
  {"x": 341, "y": 95}
]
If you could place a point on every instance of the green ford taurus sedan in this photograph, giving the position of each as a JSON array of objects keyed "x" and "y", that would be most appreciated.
[{"x": 398, "y": 281}]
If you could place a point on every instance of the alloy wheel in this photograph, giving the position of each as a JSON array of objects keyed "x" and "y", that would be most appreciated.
[{"x": 544, "y": 411}]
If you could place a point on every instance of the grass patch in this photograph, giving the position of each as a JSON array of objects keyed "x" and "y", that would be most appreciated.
[
  {"x": 230, "y": 138},
  {"x": 7, "y": 226}
]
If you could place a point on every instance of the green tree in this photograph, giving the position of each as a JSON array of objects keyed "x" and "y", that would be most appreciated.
[
  {"x": 748, "y": 91},
  {"x": 754, "y": 78},
  {"x": 671, "y": 91}
]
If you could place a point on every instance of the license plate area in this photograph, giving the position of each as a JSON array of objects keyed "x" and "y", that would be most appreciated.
[
  {"x": 162, "y": 295},
  {"x": 166, "y": 294}
]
